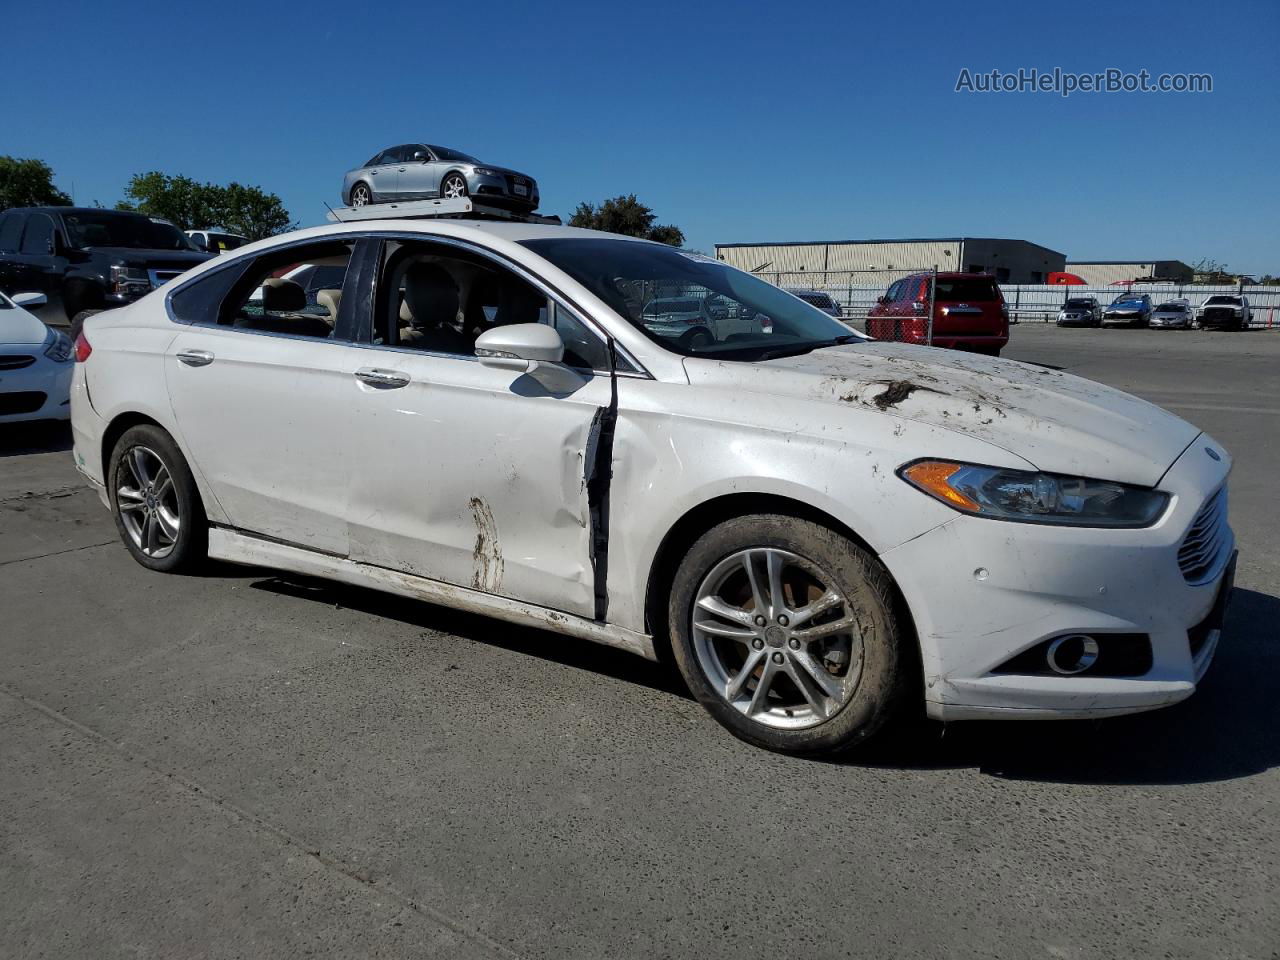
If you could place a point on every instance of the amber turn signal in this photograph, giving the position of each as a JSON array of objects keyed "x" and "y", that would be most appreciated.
[{"x": 932, "y": 476}]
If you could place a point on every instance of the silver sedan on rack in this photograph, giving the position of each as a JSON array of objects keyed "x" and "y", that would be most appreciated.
[{"x": 422, "y": 171}]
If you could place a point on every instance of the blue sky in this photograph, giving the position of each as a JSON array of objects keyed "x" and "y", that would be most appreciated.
[{"x": 738, "y": 122}]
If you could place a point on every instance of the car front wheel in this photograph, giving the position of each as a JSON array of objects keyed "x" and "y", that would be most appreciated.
[
  {"x": 788, "y": 634},
  {"x": 155, "y": 502},
  {"x": 453, "y": 187},
  {"x": 361, "y": 195}
]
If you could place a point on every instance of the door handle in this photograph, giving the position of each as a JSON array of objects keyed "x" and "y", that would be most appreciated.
[
  {"x": 373, "y": 173},
  {"x": 382, "y": 379},
  {"x": 402, "y": 169},
  {"x": 195, "y": 358}
]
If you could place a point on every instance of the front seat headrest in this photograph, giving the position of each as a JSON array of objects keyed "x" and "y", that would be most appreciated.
[
  {"x": 280, "y": 295},
  {"x": 331, "y": 300},
  {"x": 431, "y": 295}
]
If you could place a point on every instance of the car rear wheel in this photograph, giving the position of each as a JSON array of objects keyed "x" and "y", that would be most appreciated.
[
  {"x": 788, "y": 634},
  {"x": 155, "y": 502},
  {"x": 453, "y": 186},
  {"x": 698, "y": 339},
  {"x": 361, "y": 195}
]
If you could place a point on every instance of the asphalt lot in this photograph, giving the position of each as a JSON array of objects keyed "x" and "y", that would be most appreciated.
[{"x": 244, "y": 765}]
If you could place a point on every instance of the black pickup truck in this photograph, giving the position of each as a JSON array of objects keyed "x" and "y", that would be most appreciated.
[{"x": 86, "y": 260}]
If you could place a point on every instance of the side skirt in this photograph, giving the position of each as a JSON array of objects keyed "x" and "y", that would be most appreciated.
[{"x": 236, "y": 547}]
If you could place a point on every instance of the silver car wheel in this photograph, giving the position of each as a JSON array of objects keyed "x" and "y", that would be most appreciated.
[
  {"x": 455, "y": 187},
  {"x": 776, "y": 638},
  {"x": 359, "y": 195},
  {"x": 148, "y": 502}
]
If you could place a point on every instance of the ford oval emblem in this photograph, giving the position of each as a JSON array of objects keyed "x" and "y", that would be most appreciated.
[{"x": 1213, "y": 453}]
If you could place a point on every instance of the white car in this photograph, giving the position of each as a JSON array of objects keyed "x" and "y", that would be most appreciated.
[
  {"x": 35, "y": 363},
  {"x": 1225, "y": 310},
  {"x": 822, "y": 529}
]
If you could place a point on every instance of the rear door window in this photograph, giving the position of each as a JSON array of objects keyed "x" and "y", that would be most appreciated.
[
  {"x": 11, "y": 231},
  {"x": 37, "y": 239}
]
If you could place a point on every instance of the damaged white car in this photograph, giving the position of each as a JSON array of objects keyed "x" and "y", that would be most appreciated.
[{"x": 822, "y": 530}]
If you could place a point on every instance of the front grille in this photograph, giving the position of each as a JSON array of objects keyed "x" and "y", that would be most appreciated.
[
  {"x": 522, "y": 181},
  {"x": 1219, "y": 314},
  {"x": 1206, "y": 541},
  {"x": 26, "y": 402},
  {"x": 15, "y": 361}
]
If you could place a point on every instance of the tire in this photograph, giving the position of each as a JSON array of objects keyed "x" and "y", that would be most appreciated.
[
  {"x": 362, "y": 195},
  {"x": 865, "y": 671},
  {"x": 77, "y": 322},
  {"x": 456, "y": 182},
  {"x": 698, "y": 338},
  {"x": 141, "y": 459}
]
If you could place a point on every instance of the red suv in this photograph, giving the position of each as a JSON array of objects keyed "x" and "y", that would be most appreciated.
[{"x": 969, "y": 312}]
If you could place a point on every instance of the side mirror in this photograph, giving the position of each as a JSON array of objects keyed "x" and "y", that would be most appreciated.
[
  {"x": 520, "y": 346},
  {"x": 29, "y": 299},
  {"x": 419, "y": 155},
  {"x": 882, "y": 299}
]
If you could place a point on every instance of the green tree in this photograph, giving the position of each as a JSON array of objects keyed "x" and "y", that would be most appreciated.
[
  {"x": 28, "y": 183},
  {"x": 194, "y": 206},
  {"x": 628, "y": 216}
]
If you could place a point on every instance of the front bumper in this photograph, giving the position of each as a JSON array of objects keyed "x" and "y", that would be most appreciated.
[
  {"x": 500, "y": 189},
  {"x": 1171, "y": 323},
  {"x": 1122, "y": 318},
  {"x": 38, "y": 392},
  {"x": 982, "y": 591}
]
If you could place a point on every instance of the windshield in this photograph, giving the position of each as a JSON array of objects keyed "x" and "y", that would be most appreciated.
[
  {"x": 452, "y": 156},
  {"x": 1172, "y": 307},
  {"x": 1227, "y": 301},
  {"x": 1079, "y": 304},
  {"x": 633, "y": 277},
  {"x": 105, "y": 228},
  {"x": 1126, "y": 298},
  {"x": 817, "y": 299}
]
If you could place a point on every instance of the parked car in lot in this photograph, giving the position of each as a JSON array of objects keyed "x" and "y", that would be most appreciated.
[
  {"x": 35, "y": 363},
  {"x": 823, "y": 530},
  {"x": 1225, "y": 311},
  {"x": 1173, "y": 315},
  {"x": 420, "y": 171},
  {"x": 1080, "y": 312},
  {"x": 820, "y": 299},
  {"x": 1133, "y": 309},
  {"x": 85, "y": 260},
  {"x": 969, "y": 312},
  {"x": 687, "y": 319},
  {"x": 216, "y": 241}
]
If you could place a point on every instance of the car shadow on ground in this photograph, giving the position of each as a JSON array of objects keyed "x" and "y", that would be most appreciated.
[
  {"x": 40, "y": 436},
  {"x": 530, "y": 641},
  {"x": 1227, "y": 730}
]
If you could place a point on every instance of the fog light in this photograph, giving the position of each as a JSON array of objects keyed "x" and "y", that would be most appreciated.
[{"x": 1072, "y": 653}]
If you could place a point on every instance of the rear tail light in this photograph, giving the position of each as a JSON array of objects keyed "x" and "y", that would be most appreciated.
[{"x": 83, "y": 348}]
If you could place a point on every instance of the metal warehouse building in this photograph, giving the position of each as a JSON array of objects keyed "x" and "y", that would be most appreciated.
[
  {"x": 1100, "y": 273},
  {"x": 1011, "y": 261}
]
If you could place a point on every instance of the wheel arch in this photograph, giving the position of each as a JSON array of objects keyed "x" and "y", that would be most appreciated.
[
  {"x": 116, "y": 429},
  {"x": 701, "y": 518},
  {"x": 81, "y": 293}
]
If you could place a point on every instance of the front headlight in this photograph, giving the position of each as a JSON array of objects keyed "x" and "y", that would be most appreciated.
[
  {"x": 129, "y": 280},
  {"x": 1028, "y": 497},
  {"x": 61, "y": 349},
  {"x": 486, "y": 172}
]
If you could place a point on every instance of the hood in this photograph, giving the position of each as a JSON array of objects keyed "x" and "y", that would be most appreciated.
[
  {"x": 504, "y": 170},
  {"x": 140, "y": 257},
  {"x": 20, "y": 328},
  {"x": 1055, "y": 421}
]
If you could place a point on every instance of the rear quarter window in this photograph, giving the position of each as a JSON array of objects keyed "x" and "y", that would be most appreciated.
[{"x": 10, "y": 231}]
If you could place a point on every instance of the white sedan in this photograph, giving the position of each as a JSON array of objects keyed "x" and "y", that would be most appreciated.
[
  {"x": 35, "y": 363},
  {"x": 821, "y": 529}
]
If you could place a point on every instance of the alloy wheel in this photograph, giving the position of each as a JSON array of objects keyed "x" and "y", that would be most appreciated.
[
  {"x": 454, "y": 187},
  {"x": 360, "y": 196},
  {"x": 776, "y": 638},
  {"x": 147, "y": 499}
]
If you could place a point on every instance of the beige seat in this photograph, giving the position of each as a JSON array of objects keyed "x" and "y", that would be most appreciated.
[{"x": 330, "y": 300}]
